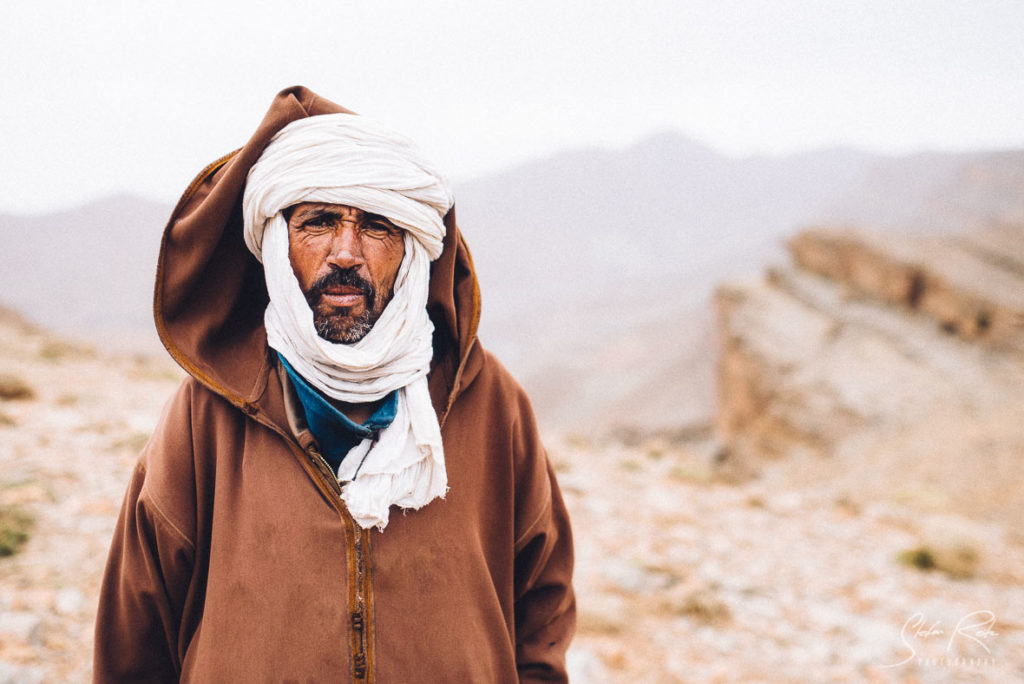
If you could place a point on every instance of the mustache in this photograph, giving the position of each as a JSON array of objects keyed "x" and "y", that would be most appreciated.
[{"x": 336, "y": 278}]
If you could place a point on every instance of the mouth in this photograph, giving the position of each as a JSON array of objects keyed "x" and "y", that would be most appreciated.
[
  {"x": 340, "y": 293},
  {"x": 343, "y": 296}
]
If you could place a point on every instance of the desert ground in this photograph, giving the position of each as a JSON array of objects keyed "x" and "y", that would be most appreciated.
[{"x": 689, "y": 568}]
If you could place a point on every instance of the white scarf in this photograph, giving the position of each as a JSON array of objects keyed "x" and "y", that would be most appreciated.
[{"x": 346, "y": 159}]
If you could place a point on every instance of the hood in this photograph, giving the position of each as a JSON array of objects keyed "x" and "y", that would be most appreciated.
[{"x": 210, "y": 293}]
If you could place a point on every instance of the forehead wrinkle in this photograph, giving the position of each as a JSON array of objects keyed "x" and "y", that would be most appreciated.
[{"x": 336, "y": 212}]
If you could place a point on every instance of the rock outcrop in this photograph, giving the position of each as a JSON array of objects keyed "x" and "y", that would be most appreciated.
[
  {"x": 971, "y": 285},
  {"x": 898, "y": 356}
]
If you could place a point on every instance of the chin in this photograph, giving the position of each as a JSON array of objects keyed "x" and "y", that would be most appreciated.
[{"x": 343, "y": 329}]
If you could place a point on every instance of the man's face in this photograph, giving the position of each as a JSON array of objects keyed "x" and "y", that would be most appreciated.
[{"x": 346, "y": 261}]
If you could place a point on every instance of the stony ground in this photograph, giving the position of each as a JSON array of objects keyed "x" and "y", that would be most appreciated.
[
  {"x": 686, "y": 571},
  {"x": 65, "y": 456},
  {"x": 685, "y": 577}
]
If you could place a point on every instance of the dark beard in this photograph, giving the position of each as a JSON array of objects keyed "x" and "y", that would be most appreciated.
[{"x": 336, "y": 324}]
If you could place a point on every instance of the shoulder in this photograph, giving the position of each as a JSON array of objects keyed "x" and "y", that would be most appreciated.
[
  {"x": 492, "y": 403},
  {"x": 533, "y": 478},
  {"x": 190, "y": 412},
  {"x": 177, "y": 461},
  {"x": 493, "y": 412},
  {"x": 493, "y": 384}
]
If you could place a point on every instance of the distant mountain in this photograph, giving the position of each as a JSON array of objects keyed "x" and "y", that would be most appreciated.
[
  {"x": 87, "y": 271},
  {"x": 932, "y": 191},
  {"x": 665, "y": 204},
  {"x": 596, "y": 266},
  {"x": 580, "y": 252}
]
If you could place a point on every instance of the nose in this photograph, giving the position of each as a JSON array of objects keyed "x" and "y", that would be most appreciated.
[{"x": 346, "y": 249}]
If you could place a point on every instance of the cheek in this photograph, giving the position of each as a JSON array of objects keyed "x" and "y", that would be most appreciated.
[
  {"x": 394, "y": 263},
  {"x": 305, "y": 260},
  {"x": 384, "y": 259}
]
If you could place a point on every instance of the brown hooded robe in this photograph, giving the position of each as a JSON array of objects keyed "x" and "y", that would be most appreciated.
[{"x": 234, "y": 558}]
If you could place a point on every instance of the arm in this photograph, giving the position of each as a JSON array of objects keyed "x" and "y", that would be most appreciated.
[
  {"x": 545, "y": 605},
  {"x": 545, "y": 602},
  {"x": 147, "y": 577}
]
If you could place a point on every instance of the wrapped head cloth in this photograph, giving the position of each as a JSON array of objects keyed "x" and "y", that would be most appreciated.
[{"x": 347, "y": 159}]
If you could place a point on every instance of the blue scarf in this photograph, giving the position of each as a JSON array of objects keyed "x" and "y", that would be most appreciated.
[{"x": 335, "y": 434}]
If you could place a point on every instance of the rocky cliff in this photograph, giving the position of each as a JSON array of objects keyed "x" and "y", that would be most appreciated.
[{"x": 893, "y": 359}]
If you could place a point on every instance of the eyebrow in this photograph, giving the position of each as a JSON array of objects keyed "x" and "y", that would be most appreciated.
[
  {"x": 322, "y": 212},
  {"x": 309, "y": 214}
]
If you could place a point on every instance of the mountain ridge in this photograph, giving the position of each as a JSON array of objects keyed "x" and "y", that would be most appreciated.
[{"x": 583, "y": 256}]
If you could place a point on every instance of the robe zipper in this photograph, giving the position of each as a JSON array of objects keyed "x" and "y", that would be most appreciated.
[
  {"x": 359, "y": 580},
  {"x": 361, "y": 590}
]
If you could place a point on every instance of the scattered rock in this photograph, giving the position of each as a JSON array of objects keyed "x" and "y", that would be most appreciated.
[
  {"x": 57, "y": 349},
  {"x": 68, "y": 601},
  {"x": 15, "y": 674},
  {"x": 699, "y": 602},
  {"x": 632, "y": 577},
  {"x": 21, "y": 627},
  {"x": 584, "y": 667},
  {"x": 602, "y": 614},
  {"x": 14, "y": 528}
]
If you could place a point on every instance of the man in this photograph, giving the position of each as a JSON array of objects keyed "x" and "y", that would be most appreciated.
[{"x": 347, "y": 487}]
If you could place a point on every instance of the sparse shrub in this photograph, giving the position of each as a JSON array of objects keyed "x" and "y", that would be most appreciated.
[
  {"x": 56, "y": 350},
  {"x": 578, "y": 440},
  {"x": 147, "y": 368},
  {"x": 12, "y": 387},
  {"x": 654, "y": 452},
  {"x": 14, "y": 528},
  {"x": 730, "y": 466},
  {"x": 52, "y": 351},
  {"x": 693, "y": 473},
  {"x": 959, "y": 561},
  {"x": 955, "y": 545},
  {"x": 627, "y": 436},
  {"x": 920, "y": 558},
  {"x": 560, "y": 462},
  {"x": 132, "y": 443},
  {"x": 699, "y": 602},
  {"x": 848, "y": 505},
  {"x": 68, "y": 400}
]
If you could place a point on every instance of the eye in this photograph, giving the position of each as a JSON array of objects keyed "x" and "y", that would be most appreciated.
[
  {"x": 380, "y": 227},
  {"x": 315, "y": 224}
]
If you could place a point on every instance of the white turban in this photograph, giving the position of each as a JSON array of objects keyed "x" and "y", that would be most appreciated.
[{"x": 347, "y": 159}]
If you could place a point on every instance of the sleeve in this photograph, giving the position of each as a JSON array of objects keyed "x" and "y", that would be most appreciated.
[
  {"x": 545, "y": 604},
  {"x": 142, "y": 596}
]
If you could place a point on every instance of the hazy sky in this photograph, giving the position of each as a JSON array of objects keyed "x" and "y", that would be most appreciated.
[{"x": 137, "y": 96}]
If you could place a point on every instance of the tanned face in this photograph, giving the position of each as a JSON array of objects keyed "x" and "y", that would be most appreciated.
[{"x": 346, "y": 262}]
